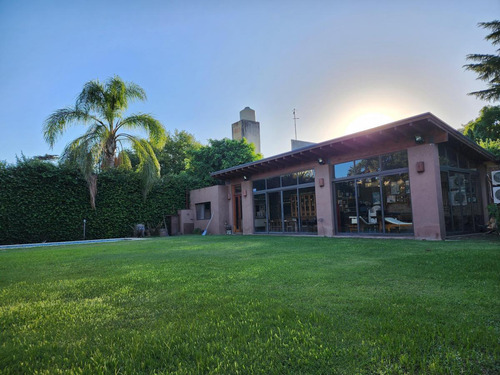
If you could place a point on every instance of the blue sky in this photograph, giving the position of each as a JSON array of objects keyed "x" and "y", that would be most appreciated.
[{"x": 201, "y": 62}]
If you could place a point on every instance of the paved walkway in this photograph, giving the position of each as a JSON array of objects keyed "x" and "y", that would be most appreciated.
[{"x": 65, "y": 243}]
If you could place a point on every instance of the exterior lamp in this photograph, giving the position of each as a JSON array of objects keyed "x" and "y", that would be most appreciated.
[
  {"x": 419, "y": 140},
  {"x": 321, "y": 161}
]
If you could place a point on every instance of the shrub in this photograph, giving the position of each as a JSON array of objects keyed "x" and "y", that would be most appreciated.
[{"x": 43, "y": 202}]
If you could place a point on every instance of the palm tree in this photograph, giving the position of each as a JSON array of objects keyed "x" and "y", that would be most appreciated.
[
  {"x": 487, "y": 67},
  {"x": 100, "y": 106}
]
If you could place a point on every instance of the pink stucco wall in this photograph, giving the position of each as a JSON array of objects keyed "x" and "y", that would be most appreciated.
[
  {"x": 426, "y": 194},
  {"x": 247, "y": 207},
  {"x": 324, "y": 206},
  {"x": 217, "y": 196}
]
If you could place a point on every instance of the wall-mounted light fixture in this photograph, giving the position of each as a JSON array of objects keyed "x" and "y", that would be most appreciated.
[
  {"x": 321, "y": 161},
  {"x": 419, "y": 140},
  {"x": 245, "y": 178}
]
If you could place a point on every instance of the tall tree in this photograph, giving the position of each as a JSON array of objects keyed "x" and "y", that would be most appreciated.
[
  {"x": 485, "y": 130},
  {"x": 101, "y": 107},
  {"x": 221, "y": 154},
  {"x": 175, "y": 156},
  {"x": 487, "y": 67}
]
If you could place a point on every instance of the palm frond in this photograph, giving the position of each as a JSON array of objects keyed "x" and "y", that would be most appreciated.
[
  {"x": 59, "y": 121},
  {"x": 156, "y": 131},
  {"x": 86, "y": 150},
  {"x": 135, "y": 92},
  {"x": 149, "y": 167},
  {"x": 92, "y": 98}
]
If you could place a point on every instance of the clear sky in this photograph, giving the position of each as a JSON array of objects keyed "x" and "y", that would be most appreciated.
[{"x": 201, "y": 62}]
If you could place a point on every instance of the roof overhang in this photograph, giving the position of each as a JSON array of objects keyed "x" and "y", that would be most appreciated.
[{"x": 427, "y": 126}]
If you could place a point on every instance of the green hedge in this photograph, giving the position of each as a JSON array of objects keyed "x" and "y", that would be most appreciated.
[{"x": 43, "y": 202}]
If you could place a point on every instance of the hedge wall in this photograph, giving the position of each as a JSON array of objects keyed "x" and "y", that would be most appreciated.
[{"x": 42, "y": 202}]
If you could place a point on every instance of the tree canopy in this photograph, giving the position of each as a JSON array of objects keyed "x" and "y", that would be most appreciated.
[
  {"x": 101, "y": 107},
  {"x": 487, "y": 67},
  {"x": 485, "y": 129},
  {"x": 221, "y": 154},
  {"x": 177, "y": 153}
]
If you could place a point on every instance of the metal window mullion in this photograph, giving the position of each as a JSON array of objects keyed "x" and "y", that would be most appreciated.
[
  {"x": 357, "y": 203},
  {"x": 267, "y": 213},
  {"x": 382, "y": 199},
  {"x": 282, "y": 213},
  {"x": 299, "y": 221}
]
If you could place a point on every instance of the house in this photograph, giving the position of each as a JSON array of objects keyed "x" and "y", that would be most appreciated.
[{"x": 417, "y": 177}]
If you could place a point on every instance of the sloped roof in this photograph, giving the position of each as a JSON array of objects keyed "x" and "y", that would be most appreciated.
[{"x": 425, "y": 123}]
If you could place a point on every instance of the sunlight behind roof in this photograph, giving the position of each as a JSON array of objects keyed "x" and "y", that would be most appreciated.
[{"x": 367, "y": 121}]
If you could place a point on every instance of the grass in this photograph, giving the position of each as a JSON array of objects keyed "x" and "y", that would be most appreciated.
[{"x": 250, "y": 305}]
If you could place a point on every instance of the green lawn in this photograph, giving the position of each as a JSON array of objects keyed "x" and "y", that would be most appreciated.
[{"x": 252, "y": 304}]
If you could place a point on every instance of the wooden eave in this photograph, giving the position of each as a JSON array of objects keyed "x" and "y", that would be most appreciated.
[{"x": 401, "y": 132}]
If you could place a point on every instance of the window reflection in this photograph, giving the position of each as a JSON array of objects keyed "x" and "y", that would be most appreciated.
[
  {"x": 365, "y": 166},
  {"x": 260, "y": 219},
  {"x": 397, "y": 204},
  {"x": 275, "y": 222},
  {"x": 377, "y": 204}
]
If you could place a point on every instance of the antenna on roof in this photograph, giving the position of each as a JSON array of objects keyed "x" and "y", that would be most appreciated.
[{"x": 295, "y": 118}]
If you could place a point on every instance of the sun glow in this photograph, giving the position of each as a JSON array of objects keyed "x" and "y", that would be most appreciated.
[{"x": 367, "y": 121}]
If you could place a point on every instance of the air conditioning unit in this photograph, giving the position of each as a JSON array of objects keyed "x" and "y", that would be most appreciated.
[
  {"x": 495, "y": 177},
  {"x": 458, "y": 198},
  {"x": 496, "y": 194},
  {"x": 456, "y": 182}
]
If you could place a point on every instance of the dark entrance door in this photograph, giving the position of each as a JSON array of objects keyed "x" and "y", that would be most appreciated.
[{"x": 237, "y": 208}]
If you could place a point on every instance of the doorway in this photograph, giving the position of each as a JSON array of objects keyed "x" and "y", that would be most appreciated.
[{"x": 237, "y": 208}]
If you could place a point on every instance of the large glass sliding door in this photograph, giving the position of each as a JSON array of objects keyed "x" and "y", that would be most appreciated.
[
  {"x": 369, "y": 205},
  {"x": 275, "y": 219},
  {"x": 290, "y": 210},
  {"x": 460, "y": 186},
  {"x": 462, "y": 208},
  {"x": 260, "y": 209},
  {"x": 307, "y": 210},
  {"x": 285, "y": 204},
  {"x": 396, "y": 200},
  {"x": 372, "y": 200},
  {"x": 347, "y": 216}
]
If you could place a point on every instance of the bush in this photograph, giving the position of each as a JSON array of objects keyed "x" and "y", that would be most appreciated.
[{"x": 43, "y": 202}]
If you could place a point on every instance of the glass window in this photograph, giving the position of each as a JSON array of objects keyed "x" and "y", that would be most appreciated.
[
  {"x": 289, "y": 179},
  {"x": 443, "y": 159},
  {"x": 290, "y": 210},
  {"x": 369, "y": 205},
  {"x": 347, "y": 221},
  {"x": 344, "y": 169},
  {"x": 275, "y": 222},
  {"x": 307, "y": 209},
  {"x": 365, "y": 166},
  {"x": 203, "y": 211},
  {"x": 452, "y": 157},
  {"x": 259, "y": 185},
  {"x": 306, "y": 176},
  {"x": 462, "y": 162},
  {"x": 260, "y": 219},
  {"x": 273, "y": 182},
  {"x": 397, "y": 204},
  {"x": 395, "y": 160}
]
